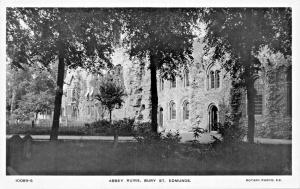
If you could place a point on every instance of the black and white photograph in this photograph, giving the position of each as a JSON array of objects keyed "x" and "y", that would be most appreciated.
[{"x": 154, "y": 96}]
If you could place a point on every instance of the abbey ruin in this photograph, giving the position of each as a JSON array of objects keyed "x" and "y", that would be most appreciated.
[{"x": 195, "y": 99}]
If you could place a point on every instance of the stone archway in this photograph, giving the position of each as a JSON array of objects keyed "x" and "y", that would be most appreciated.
[{"x": 213, "y": 118}]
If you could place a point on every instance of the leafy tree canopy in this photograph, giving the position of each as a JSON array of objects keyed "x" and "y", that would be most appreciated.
[
  {"x": 73, "y": 37},
  {"x": 242, "y": 32},
  {"x": 35, "y": 35},
  {"x": 164, "y": 36},
  {"x": 111, "y": 92},
  {"x": 33, "y": 92},
  {"x": 165, "y": 33}
]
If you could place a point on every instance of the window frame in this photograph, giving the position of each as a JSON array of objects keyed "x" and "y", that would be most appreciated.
[
  {"x": 172, "y": 109},
  {"x": 217, "y": 79},
  {"x": 212, "y": 79},
  {"x": 186, "y": 79},
  {"x": 258, "y": 97}
]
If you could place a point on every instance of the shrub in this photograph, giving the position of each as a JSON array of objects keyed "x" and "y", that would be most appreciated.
[
  {"x": 100, "y": 127},
  {"x": 232, "y": 133},
  {"x": 197, "y": 131},
  {"x": 124, "y": 126},
  {"x": 143, "y": 133},
  {"x": 156, "y": 145}
]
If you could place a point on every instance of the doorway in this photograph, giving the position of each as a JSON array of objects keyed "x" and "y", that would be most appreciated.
[{"x": 213, "y": 118}]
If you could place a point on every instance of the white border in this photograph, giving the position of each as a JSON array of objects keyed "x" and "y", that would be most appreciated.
[{"x": 197, "y": 181}]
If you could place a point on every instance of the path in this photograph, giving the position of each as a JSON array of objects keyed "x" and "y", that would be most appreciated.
[{"x": 185, "y": 137}]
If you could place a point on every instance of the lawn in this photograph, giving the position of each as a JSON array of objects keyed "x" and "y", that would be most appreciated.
[{"x": 131, "y": 158}]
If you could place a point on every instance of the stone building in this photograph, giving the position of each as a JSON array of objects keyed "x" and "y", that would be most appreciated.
[
  {"x": 198, "y": 97},
  {"x": 194, "y": 99},
  {"x": 79, "y": 105}
]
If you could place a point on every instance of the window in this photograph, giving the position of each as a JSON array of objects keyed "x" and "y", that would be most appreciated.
[
  {"x": 258, "y": 99},
  {"x": 213, "y": 118},
  {"x": 207, "y": 82},
  {"x": 212, "y": 79},
  {"x": 173, "y": 83},
  {"x": 217, "y": 79},
  {"x": 186, "y": 81},
  {"x": 186, "y": 110},
  {"x": 258, "y": 104},
  {"x": 172, "y": 110}
]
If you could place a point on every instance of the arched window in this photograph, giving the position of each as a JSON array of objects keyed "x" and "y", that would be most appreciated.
[
  {"x": 207, "y": 82},
  {"x": 213, "y": 118},
  {"x": 186, "y": 110},
  {"x": 186, "y": 81},
  {"x": 258, "y": 98},
  {"x": 217, "y": 79},
  {"x": 212, "y": 79},
  {"x": 172, "y": 110},
  {"x": 173, "y": 83}
]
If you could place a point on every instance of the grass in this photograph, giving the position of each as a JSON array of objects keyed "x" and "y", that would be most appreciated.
[
  {"x": 23, "y": 129},
  {"x": 130, "y": 158}
]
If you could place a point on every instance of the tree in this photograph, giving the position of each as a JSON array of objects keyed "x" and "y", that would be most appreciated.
[
  {"x": 165, "y": 38},
  {"x": 242, "y": 32},
  {"x": 69, "y": 37},
  {"x": 36, "y": 103},
  {"x": 30, "y": 91},
  {"x": 16, "y": 84},
  {"x": 111, "y": 94}
]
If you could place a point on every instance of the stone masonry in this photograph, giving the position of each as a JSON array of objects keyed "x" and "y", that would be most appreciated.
[{"x": 196, "y": 99}]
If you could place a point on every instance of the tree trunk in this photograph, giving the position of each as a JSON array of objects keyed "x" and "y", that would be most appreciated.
[
  {"x": 250, "y": 110},
  {"x": 153, "y": 90},
  {"x": 58, "y": 96},
  {"x": 115, "y": 130},
  {"x": 110, "y": 116},
  {"x": 13, "y": 101},
  {"x": 116, "y": 137}
]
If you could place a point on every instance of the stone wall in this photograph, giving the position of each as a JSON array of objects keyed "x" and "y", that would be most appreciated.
[{"x": 275, "y": 121}]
